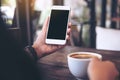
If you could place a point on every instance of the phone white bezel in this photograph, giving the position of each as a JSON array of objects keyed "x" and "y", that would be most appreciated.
[{"x": 57, "y": 41}]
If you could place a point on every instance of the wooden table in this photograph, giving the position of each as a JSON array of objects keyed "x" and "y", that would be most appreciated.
[{"x": 55, "y": 66}]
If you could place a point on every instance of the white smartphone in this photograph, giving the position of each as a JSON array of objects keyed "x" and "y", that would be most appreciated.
[{"x": 58, "y": 24}]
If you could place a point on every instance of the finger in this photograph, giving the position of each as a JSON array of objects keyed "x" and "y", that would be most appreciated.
[
  {"x": 69, "y": 25},
  {"x": 68, "y": 37},
  {"x": 68, "y": 31}
]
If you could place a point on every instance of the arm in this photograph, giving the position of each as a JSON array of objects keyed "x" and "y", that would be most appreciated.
[{"x": 102, "y": 70}]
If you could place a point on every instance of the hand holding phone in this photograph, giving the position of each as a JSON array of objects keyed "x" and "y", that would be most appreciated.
[{"x": 58, "y": 24}]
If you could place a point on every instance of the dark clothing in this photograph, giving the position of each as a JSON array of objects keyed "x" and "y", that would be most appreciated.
[{"x": 15, "y": 64}]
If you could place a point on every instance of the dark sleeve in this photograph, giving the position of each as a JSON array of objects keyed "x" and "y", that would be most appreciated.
[
  {"x": 31, "y": 53},
  {"x": 14, "y": 63}
]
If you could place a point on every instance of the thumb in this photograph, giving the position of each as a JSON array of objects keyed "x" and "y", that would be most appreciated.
[
  {"x": 95, "y": 59},
  {"x": 45, "y": 26}
]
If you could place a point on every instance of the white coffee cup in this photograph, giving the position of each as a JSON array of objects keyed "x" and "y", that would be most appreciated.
[{"x": 78, "y": 64}]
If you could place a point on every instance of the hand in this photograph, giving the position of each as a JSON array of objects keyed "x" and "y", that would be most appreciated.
[
  {"x": 41, "y": 47},
  {"x": 102, "y": 70}
]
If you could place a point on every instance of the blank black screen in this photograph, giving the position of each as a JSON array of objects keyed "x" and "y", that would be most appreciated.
[{"x": 58, "y": 24}]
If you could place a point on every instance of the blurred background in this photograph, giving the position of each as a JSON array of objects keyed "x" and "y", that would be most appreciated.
[{"x": 25, "y": 18}]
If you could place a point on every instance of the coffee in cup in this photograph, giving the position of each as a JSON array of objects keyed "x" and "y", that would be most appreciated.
[{"x": 83, "y": 56}]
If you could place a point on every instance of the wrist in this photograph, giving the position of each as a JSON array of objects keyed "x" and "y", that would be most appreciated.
[
  {"x": 31, "y": 51},
  {"x": 38, "y": 51}
]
